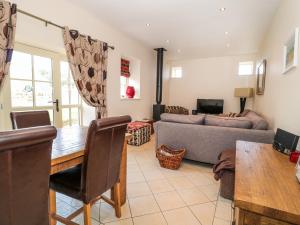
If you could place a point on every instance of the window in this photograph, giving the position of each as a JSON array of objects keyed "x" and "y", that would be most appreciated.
[
  {"x": 176, "y": 72},
  {"x": 71, "y": 106},
  {"x": 124, "y": 83},
  {"x": 246, "y": 68},
  {"x": 130, "y": 76},
  {"x": 31, "y": 81}
]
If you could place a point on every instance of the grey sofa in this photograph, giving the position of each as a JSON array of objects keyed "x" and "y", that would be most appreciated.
[{"x": 205, "y": 136}]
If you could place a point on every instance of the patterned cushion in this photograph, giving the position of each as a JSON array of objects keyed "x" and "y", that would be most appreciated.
[
  {"x": 140, "y": 133},
  {"x": 176, "y": 110}
]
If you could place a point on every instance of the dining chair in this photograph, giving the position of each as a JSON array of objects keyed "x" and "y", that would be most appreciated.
[
  {"x": 26, "y": 119},
  {"x": 25, "y": 160},
  {"x": 99, "y": 171}
]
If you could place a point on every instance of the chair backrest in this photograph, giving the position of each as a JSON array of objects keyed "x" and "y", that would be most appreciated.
[
  {"x": 103, "y": 151},
  {"x": 27, "y": 119},
  {"x": 25, "y": 160}
]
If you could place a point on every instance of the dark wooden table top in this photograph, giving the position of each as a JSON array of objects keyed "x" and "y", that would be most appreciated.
[
  {"x": 266, "y": 183},
  {"x": 69, "y": 140}
]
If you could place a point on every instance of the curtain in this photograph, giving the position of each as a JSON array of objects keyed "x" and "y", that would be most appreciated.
[
  {"x": 88, "y": 63},
  {"x": 125, "y": 68},
  {"x": 8, "y": 18}
]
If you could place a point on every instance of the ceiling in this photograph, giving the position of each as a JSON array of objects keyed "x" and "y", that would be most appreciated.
[{"x": 193, "y": 28}]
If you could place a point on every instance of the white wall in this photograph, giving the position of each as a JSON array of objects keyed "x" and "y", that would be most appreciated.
[
  {"x": 281, "y": 101},
  {"x": 213, "y": 78},
  {"x": 63, "y": 12}
]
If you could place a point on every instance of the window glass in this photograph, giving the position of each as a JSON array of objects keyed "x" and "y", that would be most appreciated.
[
  {"x": 21, "y": 67},
  {"x": 246, "y": 68},
  {"x": 43, "y": 94},
  {"x": 42, "y": 68},
  {"x": 176, "y": 72},
  {"x": 21, "y": 93},
  {"x": 66, "y": 117}
]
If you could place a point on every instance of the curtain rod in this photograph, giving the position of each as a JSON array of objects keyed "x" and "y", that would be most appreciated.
[{"x": 47, "y": 22}]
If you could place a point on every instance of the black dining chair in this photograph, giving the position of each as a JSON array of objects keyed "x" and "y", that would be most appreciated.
[
  {"x": 26, "y": 119},
  {"x": 25, "y": 160},
  {"x": 99, "y": 172}
]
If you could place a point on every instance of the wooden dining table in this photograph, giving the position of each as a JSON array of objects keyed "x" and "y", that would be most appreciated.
[{"x": 68, "y": 151}]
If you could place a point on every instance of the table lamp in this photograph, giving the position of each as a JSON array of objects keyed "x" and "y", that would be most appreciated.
[{"x": 243, "y": 94}]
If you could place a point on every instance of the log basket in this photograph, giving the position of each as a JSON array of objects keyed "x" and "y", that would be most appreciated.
[{"x": 169, "y": 158}]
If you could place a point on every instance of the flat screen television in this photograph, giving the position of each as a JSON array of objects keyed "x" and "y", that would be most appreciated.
[{"x": 210, "y": 106}]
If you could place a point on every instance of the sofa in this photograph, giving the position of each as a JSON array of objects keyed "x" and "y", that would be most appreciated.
[{"x": 206, "y": 136}]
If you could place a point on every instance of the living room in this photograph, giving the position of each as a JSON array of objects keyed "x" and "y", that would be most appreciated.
[{"x": 94, "y": 97}]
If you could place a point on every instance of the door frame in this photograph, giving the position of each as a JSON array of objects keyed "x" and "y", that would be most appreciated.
[{"x": 5, "y": 94}]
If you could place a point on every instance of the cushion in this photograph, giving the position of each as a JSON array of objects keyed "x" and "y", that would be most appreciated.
[
  {"x": 237, "y": 122},
  {"x": 259, "y": 123},
  {"x": 188, "y": 119}
]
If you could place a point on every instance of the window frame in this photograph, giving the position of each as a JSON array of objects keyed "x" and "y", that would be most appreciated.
[{"x": 5, "y": 95}]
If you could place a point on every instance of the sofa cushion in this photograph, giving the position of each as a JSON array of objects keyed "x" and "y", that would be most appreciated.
[
  {"x": 259, "y": 123},
  {"x": 237, "y": 122},
  {"x": 188, "y": 119}
]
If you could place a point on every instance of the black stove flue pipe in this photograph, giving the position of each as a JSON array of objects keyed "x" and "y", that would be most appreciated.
[{"x": 158, "y": 108}]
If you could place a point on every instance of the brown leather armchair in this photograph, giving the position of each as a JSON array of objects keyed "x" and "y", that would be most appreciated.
[
  {"x": 99, "y": 171},
  {"x": 29, "y": 119},
  {"x": 25, "y": 159}
]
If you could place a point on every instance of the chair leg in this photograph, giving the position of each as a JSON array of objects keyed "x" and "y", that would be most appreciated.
[
  {"x": 117, "y": 199},
  {"x": 87, "y": 214},
  {"x": 52, "y": 206}
]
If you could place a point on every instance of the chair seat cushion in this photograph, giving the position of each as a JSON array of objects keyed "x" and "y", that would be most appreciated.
[{"x": 67, "y": 182}]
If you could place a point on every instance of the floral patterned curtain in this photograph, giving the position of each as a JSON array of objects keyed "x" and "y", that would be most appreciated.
[
  {"x": 88, "y": 63},
  {"x": 8, "y": 18}
]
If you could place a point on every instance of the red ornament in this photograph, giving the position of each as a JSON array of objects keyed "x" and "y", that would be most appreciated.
[{"x": 130, "y": 91}]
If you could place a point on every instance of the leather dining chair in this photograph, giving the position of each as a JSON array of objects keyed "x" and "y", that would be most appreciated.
[
  {"x": 25, "y": 158},
  {"x": 99, "y": 171},
  {"x": 26, "y": 119}
]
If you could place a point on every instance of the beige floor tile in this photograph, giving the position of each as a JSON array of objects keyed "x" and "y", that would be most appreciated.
[
  {"x": 172, "y": 173},
  {"x": 79, "y": 219},
  {"x": 151, "y": 219},
  {"x": 204, "y": 212},
  {"x": 180, "y": 183},
  {"x": 218, "y": 221},
  {"x": 182, "y": 216},
  {"x": 211, "y": 191},
  {"x": 169, "y": 200},
  {"x": 133, "y": 168},
  {"x": 153, "y": 175},
  {"x": 135, "y": 177},
  {"x": 143, "y": 205},
  {"x": 107, "y": 213},
  {"x": 199, "y": 179},
  {"x": 121, "y": 222},
  {"x": 193, "y": 196},
  {"x": 159, "y": 186},
  {"x": 223, "y": 210},
  {"x": 138, "y": 189}
]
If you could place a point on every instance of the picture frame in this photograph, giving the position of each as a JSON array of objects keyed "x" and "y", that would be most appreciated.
[
  {"x": 261, "y": 77},
  {"x": 290, "y": 51}
]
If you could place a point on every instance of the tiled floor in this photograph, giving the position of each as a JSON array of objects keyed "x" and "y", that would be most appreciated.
[{"x": 158, "y": 196}]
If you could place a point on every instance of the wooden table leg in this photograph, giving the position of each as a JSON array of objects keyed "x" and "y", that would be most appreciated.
[
  {"x": 52, "y": 206},
  {"x": 123, "y": 175}
]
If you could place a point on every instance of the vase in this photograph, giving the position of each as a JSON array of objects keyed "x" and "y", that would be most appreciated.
[{"x": 130, "y": 92}]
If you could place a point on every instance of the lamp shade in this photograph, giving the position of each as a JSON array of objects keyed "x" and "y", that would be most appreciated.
[{"x": 243, "y": 92}]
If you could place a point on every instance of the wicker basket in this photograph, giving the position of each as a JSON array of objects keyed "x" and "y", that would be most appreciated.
[{"x": 169, "y": 158}]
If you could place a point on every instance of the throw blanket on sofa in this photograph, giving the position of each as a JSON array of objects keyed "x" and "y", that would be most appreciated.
[{"x": 226, "y": 162}]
